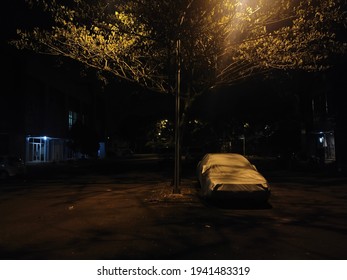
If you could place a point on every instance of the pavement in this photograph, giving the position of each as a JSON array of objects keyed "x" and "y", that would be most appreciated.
[{"x": 125, "y": 209}]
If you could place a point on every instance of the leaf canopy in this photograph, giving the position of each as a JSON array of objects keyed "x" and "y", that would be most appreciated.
[{"x": 223, "y": 41}]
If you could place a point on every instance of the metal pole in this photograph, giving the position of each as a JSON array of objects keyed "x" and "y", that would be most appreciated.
[
  {"x": 244, "y": 145},
  {"x": 177, "y": 121}
]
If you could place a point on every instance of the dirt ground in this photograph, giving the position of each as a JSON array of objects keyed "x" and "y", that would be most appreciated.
[{"x": 135, "y": 215}]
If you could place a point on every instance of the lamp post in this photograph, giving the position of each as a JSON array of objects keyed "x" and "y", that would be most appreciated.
[
  {"x": 177, "y": 120},
  {"x": 177, "y": 172}
]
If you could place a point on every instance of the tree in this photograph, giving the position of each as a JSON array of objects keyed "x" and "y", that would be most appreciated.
[{"x": 222, "y": 42}]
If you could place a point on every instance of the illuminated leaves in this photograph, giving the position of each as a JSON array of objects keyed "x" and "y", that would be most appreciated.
[
  {"x": 282, "y": 35},
  {"x": 223, "y": 41},
  {"x": 113, "y": 42}
]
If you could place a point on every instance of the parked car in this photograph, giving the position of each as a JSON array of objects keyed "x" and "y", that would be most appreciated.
[
  {"x": 231, "y": 176},
  {"x": 11, "y": 166}
]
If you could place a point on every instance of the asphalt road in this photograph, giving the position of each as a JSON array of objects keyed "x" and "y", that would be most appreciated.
[{"x": 125, "y": 209}]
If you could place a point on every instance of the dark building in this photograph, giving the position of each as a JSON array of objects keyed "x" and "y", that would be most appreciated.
[
  {"x": 323, "y": 107},
  {"x": 40, "y": 102},
  {"x": 318, "y": 119}
]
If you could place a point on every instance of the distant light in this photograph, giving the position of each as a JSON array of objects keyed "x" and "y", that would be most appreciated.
[
  {"x": 321, "y": 139},
  {"x": 45, "y": 138}
]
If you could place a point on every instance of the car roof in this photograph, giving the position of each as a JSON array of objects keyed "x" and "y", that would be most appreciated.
[
  {"x": 230, "y": 167},
  {"x": 226, "y": 159}
]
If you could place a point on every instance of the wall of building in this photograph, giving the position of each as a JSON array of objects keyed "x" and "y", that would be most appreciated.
[{"x": 37, "y": 97}]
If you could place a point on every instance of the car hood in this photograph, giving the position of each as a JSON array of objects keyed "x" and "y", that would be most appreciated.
[{"x": 221, "y": 175}]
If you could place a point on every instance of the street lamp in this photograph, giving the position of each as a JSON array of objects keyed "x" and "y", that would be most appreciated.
[
  {"x": 177, "y": 107},
  {"x": 177, "y": 120}
]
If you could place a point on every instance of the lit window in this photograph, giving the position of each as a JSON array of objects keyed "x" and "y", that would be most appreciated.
[{"x": 72, "y": 118}]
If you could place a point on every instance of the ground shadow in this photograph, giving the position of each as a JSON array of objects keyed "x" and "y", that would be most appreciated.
[{"x": 236, "y": 204}]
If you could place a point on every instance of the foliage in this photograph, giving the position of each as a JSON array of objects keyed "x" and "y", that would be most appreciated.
[{"x": 222, "y": 41}]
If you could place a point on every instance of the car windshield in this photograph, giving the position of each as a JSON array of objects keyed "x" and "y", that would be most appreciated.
[{"x": 225, "y": 163}]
